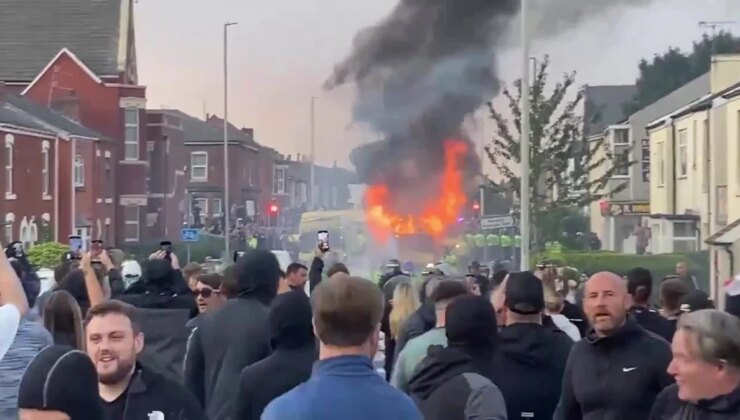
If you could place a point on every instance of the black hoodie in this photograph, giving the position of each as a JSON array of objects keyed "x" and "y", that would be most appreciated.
[
  {"x": 233, "y": 337},
  {"x": 290, "y": 363},
  {"x": 668, "y": 407},
  {"x": 457, "y": 381},
  {"x": 528, "y": 368},
  {"x": 615, "y": 377}
]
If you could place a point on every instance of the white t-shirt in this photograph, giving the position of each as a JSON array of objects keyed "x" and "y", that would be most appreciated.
[{"x": 10, "y": 318}]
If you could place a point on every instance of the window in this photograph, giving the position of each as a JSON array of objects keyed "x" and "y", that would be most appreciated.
[
  {"x": 622, "y": 163},
  {"x": 202, "y": 205},
  {"x": 199, "y": 166},
  {"x": 622, "y": 136},
  {"x": 683, "y": 156},
  {"x": 79, "y": 172},
  {"x": 131, "y": 118},
  {"x": 9, "y": 220},
  {"x": 217, "y": 208},
  {"x": 278, "y": 180},
  {"x": 661, "y": 164},
  {"x": 9, "y": 166},
  {"x": 45, "y": 182},
  {"x": 684, "y": 236},
  {"x": 131, "y": 218},
  {"x": 721, "y": 202}
]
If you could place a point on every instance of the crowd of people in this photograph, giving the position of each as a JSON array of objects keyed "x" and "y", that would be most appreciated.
[{"x": 257, "y": 342}]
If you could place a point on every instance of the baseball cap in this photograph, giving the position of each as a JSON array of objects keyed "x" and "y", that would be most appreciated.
[
  {"x": 46, "y": 384},
  {"x": 695, "y": 300},
  {"x": 524, "y": 293}
]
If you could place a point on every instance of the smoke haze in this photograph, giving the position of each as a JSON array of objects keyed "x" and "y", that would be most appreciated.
[{"x": 430, "y": 63}]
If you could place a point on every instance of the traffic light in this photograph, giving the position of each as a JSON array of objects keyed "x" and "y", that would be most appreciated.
[
  {"x": 273, "y": 209},
  {"x": 476, "y": 207}
]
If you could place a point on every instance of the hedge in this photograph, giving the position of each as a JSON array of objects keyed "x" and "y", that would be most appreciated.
[{"x": 661, "y": 265}]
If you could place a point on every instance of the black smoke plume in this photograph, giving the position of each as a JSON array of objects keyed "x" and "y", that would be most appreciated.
[{"x": 419, "y": 72}]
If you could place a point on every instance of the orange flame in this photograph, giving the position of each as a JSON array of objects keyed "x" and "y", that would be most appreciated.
[{"x": 438, "y": 213}]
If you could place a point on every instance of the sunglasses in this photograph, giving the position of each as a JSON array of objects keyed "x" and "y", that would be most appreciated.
[{"x": 206, "y": 292}]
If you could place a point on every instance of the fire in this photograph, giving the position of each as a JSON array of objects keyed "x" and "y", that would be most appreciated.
[{"x": 438, "y": 213}]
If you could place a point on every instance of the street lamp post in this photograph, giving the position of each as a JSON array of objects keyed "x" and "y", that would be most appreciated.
[
  {"x": 225, "y": 208},
  {"x": 524, "y": 174},
  {"x": 313, "y": 154}
]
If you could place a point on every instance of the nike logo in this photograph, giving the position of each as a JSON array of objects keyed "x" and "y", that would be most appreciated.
[{"x": 628, "y": 369}]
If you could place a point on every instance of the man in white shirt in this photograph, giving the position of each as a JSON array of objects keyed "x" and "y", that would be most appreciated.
[{"x": 13, "y": 304}]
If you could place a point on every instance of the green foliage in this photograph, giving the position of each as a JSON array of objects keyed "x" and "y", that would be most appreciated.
[
  {"x": 560, "y": 159},
  {"x": 47, "y": 255},
  {"x": 674, "y": 68},
  {"x": 659, "y": 265}
]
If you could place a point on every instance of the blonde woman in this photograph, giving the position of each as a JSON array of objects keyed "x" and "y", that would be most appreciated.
[
  {"x": 554, "y": 303},
  {"x": 405, "y": 302}
]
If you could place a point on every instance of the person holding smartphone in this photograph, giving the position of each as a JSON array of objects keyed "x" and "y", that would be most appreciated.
[{"x": 13, "y": 304}]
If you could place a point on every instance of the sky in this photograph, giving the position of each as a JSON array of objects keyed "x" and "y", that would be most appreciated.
[{"x": 281, "y": 52}]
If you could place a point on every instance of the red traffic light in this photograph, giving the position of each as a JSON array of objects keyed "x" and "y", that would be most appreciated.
[
  {"x": 476, "y": 206},
  {"x": 273, "y": 209}
]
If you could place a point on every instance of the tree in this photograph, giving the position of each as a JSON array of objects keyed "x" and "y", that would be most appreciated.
[
  {"x": 47, "y": 255},
  {"x": 560, "y": 159},
  {"x": 674, "y": 68}
]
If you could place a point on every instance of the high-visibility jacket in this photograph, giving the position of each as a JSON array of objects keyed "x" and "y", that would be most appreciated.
[
  {"x": 493, "y": 240},
  {"x": 480, "y": 240},
  {"x": 506, "y": 241},
  {"x": 517, "y": 241}
]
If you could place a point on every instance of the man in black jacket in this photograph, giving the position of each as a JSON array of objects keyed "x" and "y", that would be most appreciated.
[
  {"x": 706, "y": 365},
  {"x": 290, "y": 364},
  {"x": 618, "y": 369},
  {"x": 530, "y": 359},
  {"x": 129, "y": 390},
  {"x": 456, "y": 382},
  {"x": 234, "y": 337}
]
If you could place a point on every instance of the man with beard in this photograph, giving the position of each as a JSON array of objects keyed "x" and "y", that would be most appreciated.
[
  {"x": 129, "y": 390},
  {"x": 618, "y": 369},
  {"x": 233, "y": 337},
  {"x": 297, "y": 275}
]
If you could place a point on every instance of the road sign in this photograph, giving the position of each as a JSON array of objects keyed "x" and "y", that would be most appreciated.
[
  {"x": 497, "y": 222},
  {"x": 189, "y": 235}
]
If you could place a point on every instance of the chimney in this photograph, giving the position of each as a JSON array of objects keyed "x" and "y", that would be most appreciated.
[
  {"x": 69, "y": 106},
  {"x": 298, "y": 157}
]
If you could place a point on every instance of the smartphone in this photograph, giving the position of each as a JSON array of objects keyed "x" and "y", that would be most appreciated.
[
  {"x": 166, "y": 246},
  {"x": 323, "y": 238},
  {"x": 239, "y": 254},
  {"x": 75, "y": 243}
]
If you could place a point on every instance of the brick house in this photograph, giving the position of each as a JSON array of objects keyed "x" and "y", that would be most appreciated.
[
  {"x": 39, "y": 176},
  {"x": 204, "y": 149},
  {"x": 84, "y": 65}
]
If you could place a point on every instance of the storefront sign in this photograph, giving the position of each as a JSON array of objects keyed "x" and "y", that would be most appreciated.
[{"x": 629, "y": 209}]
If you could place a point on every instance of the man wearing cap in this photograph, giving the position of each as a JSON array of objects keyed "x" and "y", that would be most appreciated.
[
  {"x": 618, "y": 369},
  {"x": 530, "y": 359},
  {"x": 47, "y": 393}
]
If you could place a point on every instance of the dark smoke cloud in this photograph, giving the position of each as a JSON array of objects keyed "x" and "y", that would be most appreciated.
[
  {"x": 430, "y": 63},
  {"x": 420, "y": 72}
]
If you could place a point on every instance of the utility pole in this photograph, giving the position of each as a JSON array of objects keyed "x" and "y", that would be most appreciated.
[
  {"x": 524, "y": 173},
  {"x": 225, "y": 207},
  {"x": 313, "y": 154}
]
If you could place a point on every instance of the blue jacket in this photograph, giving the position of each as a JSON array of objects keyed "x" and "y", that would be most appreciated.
[{"x": 345, "y": 387}]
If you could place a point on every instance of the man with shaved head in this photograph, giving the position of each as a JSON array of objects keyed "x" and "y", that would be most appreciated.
[{"x": 618, "y": 369}]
